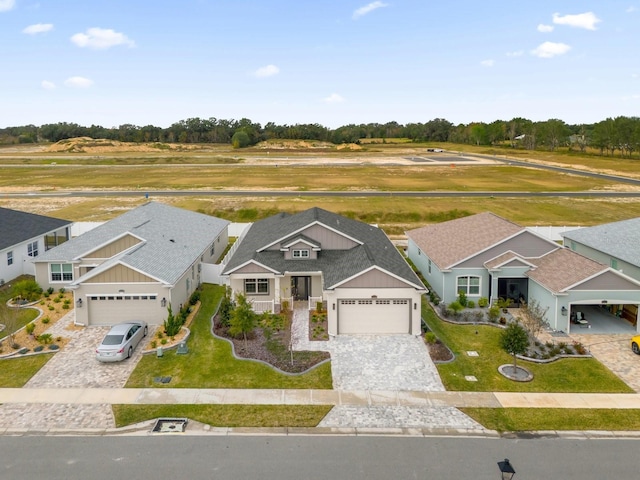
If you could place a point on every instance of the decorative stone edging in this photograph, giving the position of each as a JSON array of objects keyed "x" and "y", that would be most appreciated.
[
  {"x": 171, "y": 346},
  {"x": 502, "y": 369}
]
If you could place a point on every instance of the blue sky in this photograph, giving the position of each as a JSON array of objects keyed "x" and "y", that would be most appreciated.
[{"x": 333, "y": 62}]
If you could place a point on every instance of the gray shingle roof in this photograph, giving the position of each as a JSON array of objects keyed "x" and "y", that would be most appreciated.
[
  {"x": 618, "y": 239},
  {"x": 173, "y": 239},
  {"x": 448, "y": 243},
  {"x": 17, "y": 227},
  {"x": 374, "y": 249}
]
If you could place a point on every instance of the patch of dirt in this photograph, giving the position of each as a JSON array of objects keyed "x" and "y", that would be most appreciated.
[
  {"x": 439, "y": 352},
  {"x": 274, "y": 351},
  {"x": 102, "y": 145},
  {"x": 349, "y": 146},
  {"x": 293, "y": 145}
]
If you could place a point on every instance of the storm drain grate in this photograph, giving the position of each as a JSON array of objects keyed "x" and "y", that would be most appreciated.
[
  {"x": 170, "y": 425},
  {"x": 162, "y": 379}
]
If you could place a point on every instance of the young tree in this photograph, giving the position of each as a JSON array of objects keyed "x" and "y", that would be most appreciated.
[
  {"x": 226, "y": 305},
  {"x": 514, "y": 340},
  {"x": 9, "y": 317},
  {"x": 533, "y": 318},
  {"x": 243, "y": 319}
]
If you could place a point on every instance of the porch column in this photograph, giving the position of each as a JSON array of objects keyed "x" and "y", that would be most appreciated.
[{"x": 277, "y": 292}]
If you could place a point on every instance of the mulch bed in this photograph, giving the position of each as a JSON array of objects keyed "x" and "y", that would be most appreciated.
[
  {"x": 275, "y": 351},
  {"x": 439, "y": 352}
]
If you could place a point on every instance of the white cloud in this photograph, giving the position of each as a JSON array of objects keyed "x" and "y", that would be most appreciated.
[
  {"x": 545, "y": 28},
  {"x": 47, "y": 85},
  {"x": 517, "y": 53},
  {"x": 6, "y": 5},
  {"x": 266, "y": 71},
  {"x": 487, "y": 63},
  {"x": 586, "y": 20},
  {"x": 333, "y": 98},
  {"x": 101, "y": 38},
  {"x": 362, "y": 11},
  {"x": 78, "y": 82},
  {"x": 38, "y": 28},
  {"x": 550, "y": 49},
  {"x": 631, "y": 9}
]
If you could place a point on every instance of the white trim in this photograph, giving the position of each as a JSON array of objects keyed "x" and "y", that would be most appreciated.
[
  {"x": 479, "y": 294},
  {"x": 110, "y": 241},
  {"x": 230, "y": 272}
]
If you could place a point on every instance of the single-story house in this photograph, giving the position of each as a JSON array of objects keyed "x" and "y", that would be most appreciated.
[
  {"x": 134, "y": 266},
  {"x": 319, "y": 256},
  {"x": 24, "y": 236},
  {"x": 616, "y": 244},
  {"x": 485, "y": 255}
]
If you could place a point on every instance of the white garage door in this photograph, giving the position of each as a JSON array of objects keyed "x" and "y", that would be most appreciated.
[
  {"x": 374, "y": 316},
  {"x": 112, "y": 309}
]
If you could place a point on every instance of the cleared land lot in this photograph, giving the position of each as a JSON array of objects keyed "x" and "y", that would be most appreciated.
[{"x": 376, "y": 167}]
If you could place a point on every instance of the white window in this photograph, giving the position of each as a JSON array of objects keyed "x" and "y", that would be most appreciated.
[
  {"x": 257, "y": 286},
  {"x": 469, "y": 285},
  {"x": 32, "y": 249},
  {"x": 61, "y": 272},
  {"x": 9, "y": 258},
  {"x": 300, "y": 253}
]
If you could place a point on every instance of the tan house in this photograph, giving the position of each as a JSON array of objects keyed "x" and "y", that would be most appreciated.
[{"x": 134, "y": 266}]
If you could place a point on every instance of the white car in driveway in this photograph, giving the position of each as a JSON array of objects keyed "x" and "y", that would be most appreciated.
[{"x": 121, "y": 341}]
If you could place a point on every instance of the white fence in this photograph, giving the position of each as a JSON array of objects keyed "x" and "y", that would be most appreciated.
[{"x": 260, "y": 306}]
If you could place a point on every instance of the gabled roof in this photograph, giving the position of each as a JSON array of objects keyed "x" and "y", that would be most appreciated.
[
  {"x": 17, "y": 227},
  {"x": 372, "y": 248},
  {"x": 508, "y": 259},
  {"x": 617, "y": 239},
  {"x": 172, "y": 239},
  {"x": 563, "y": 268},
  {"x": 448, "y": 243}
]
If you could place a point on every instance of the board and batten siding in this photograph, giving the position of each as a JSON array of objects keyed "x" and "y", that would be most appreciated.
[
  {"x": 114, "y": 248},
  {"x": 374, "y": 279},
  {"x": 120, "y": 274}
]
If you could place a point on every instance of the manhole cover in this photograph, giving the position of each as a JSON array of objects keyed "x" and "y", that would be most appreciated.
[{"x": 170, "y": 425}]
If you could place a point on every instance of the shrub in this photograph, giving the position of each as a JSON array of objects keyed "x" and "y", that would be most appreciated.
[
  {"x": 28, "y": 290},
  {"x": 483, "y": 302},
  {"x": 45, "y": 320},
  {"x": 226, "y": 305},
  {"x": 319, "y": 307},
  {"x": 39, "y": 348},
  {"x": 66, "y": 301},
  {"x": 194, "y": 298},
  {"x": 45, "y": 338},
  {"x": 159, "y": 334},
  {"x": 56, "y": 300},
  {"x": 579, "y": 348},
  {"x": 471, "y": 304},
  {"x": 456, "y": 306},
  {"x": 493, "y": 313},
  {"x": 65, "y": 306},
  {"x": 430, "y": 338},
  {"x": 503, "y": 321},
  {"x": 284, "y": 306},
  {"x": 163, "y": 341},
  {"x": 154, "y": 344},
  {"x": 462, "y": 299},
  {"x": 62, "y": 290},
  {"x": 30, "y": 328},
  {"x": 49, "y": 291},
  {"x": 51, "y": 308},
  {"x": 54, "y": 347},
  {"x": 42, "y": 302},
  {"x": 172, "y": 323},
  {"x": 46, "y": 295}
]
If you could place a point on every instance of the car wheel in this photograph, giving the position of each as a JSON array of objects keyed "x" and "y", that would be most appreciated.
[
  {"x": 146, "y": 330},
  {"x": 130, "y": 352},
  {"x": 635, "y": 348}
]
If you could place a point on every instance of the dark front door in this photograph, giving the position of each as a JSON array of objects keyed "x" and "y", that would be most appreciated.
[
  {"x": 300, "y": 287},
  {"x": 515, "y": 289}
]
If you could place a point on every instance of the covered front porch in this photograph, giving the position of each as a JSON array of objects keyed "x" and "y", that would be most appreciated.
[{"x": 284, "y": 291}]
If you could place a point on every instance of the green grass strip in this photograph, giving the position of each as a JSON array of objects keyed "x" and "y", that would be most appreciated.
[
  {"x": 533, "y": 419},
  {"x": 226, "y": 415}
]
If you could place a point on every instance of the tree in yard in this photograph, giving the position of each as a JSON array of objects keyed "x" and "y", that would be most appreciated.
[
  {"x": 243, "y": 320},
  {"x": 172, "y": 324},
  {"x": 226, "y": 306},
  {"x": 514, "y": 340},
  {"x": 28, "y": 290},
  {"x": 533, "y": 318},
  {"x": 9, "y": 318}
]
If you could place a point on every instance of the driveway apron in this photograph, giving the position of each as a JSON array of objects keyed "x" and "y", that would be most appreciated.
[{"x": 74, "y": 366}]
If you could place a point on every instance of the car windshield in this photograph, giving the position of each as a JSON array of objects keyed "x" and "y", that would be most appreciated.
[{"x": 112, "y": 340}]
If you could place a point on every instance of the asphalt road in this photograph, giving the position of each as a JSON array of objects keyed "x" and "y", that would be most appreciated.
[
  {"x": 295, "y": 458},
  {"x": 315, "y": 193}
]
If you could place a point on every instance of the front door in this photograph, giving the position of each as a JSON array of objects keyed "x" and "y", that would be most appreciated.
[{"x": 300, "y": 288}]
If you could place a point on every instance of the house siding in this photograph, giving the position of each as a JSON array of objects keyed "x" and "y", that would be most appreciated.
[
  {"x": 328, "y": 239},
  {"x": 628, "y": 269},
  {"x": 526, "y": 245},
  {"x": 374, "y": 279},
  {"x": 252, "y": 268},
  {"x": 421, "y": 261},
  {"x": 120, "y": 274},
  {"x": 114, "y": 248},
  {"x": 607, "y": 281}
]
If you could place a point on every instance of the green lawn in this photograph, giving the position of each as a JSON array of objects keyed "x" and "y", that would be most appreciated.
[
  {"x": 15, "y": 372},
  {"x": 22, "y": 316},
  {"x": 566, "y": 375},
  {"x": 531, "y": 419},
  {"x": 210, "y": 363},
  {"x": 226, "y": 415}
]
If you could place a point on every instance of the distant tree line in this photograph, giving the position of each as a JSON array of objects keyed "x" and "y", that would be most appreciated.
[{"x": 620, "y": 134}]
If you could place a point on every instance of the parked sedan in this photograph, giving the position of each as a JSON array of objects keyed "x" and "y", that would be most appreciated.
[{"x": 121, "y": 340}]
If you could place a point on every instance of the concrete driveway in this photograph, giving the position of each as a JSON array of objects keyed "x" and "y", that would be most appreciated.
[
  {"x": 75, "y": 365},
  {"x": 384, "y": 362}
]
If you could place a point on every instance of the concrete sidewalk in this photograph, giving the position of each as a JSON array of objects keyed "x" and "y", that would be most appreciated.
[{"x": 165, "y": 396}]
